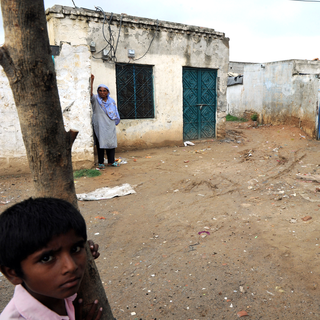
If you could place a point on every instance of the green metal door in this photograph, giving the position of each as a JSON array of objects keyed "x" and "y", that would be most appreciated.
[{"x": 199, "y": 103}]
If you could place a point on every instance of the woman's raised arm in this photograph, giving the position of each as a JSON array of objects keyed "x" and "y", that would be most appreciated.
[{"x": 92, "y": 79}]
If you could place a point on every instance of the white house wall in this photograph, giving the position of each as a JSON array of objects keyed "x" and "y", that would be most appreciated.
[
  {"x": 249, "y": 95},
  {"x": 279, "y": 92},
  {"x": 12, "y": 151},
  {"x": 73, "y": 71},
  {"x": 174, "y": 46},
  {"x": 256, "y": 83}
]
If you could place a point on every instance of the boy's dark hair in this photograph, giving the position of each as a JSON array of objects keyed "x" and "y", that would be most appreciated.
[{"x": 28, "y": 226}]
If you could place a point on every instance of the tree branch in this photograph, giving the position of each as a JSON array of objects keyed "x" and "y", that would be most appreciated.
[
  {"x": 7, "y": 63},
  {"x": 73, "y": 135}
]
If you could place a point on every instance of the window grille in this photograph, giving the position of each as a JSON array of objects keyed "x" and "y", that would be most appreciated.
[{"x": 135, "y": 91}]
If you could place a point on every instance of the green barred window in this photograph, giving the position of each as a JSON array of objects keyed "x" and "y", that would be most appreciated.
[{"x": 135, "y": 91}]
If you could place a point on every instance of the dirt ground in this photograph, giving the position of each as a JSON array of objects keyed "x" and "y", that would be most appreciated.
[{"x": 213, "y": 229}]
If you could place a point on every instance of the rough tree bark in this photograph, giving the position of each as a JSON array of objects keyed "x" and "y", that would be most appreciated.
[{"x": 27, "y": 62}]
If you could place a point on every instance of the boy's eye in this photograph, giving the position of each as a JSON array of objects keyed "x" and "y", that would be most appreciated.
[
  {"x": 77, "y": 249},
  {"x": 46, "y": 258}
]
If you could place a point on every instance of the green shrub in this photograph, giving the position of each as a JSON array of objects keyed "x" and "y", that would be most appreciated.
[
  {"x": 86, "y": 173},
  {"x": 254, "y": 117},
  {"x": 229, "y": 117}
]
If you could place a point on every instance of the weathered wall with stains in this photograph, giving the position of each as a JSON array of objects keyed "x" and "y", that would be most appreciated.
[
  {"x": 12, "y": 150},
  {"x": 285, "y": 92},
  {"x": 73, "y": 70},
  {"x": 249, "y": 95},
  {"x": 238, "y": 67},
  {"x": 174, "y": 46}
]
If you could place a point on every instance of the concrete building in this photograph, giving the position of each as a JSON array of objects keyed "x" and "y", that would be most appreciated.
[
  {"x": 283, "y": 92},
  {"x": 169, "y": 80}
]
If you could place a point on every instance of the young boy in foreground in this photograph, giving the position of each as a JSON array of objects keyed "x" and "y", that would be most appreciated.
[{"x": 42, "y": 252}]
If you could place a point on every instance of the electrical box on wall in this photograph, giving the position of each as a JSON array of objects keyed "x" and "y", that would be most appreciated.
[
  {"x": 105, "y": 54},
  {"x": 92, "y": 46},
  {"x": 131, "y": 53}
]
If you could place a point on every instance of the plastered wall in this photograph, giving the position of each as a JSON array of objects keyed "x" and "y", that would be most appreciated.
[
  {"x": 12, "y": 151},
  {"x": 285, "y": 92},
  {"x": 173, "y": 46},
  {"x": 73, "y": 71}
]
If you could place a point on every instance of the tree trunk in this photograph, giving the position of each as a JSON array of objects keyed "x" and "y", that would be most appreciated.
[{"x": 27, "y": 62}]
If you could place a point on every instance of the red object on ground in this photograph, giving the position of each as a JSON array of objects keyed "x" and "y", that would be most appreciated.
[{"x": 242, "y": 314}]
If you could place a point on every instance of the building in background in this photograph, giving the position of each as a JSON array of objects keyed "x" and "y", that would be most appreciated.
[
  {"x": 169, "y": 80},
  {"x": 282, "y": 92}
]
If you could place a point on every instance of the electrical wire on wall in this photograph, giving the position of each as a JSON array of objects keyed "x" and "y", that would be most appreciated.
[
  {"x": 109, "y": 50},
  {"x": 133, "y": 59},
  {"x": 74, "y": 4}
]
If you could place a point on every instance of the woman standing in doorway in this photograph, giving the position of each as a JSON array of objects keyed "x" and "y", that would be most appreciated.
[{"x": 105, "y": 118}]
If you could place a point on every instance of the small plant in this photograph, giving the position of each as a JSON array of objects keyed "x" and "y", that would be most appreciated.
[
  {"x": 254, "y": 117},
  {"x": 229, "y": 117},
  {"x": 86, "y": 173}
]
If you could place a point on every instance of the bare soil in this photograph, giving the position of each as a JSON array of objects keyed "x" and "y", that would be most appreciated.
[{"x": 213, "y": 229}]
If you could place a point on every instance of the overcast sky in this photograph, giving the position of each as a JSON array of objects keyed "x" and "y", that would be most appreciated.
[{"x": 259, "y": 30}]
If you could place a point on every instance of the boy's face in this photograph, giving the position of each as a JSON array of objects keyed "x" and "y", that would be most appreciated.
[{"x": 56, "y": 271}]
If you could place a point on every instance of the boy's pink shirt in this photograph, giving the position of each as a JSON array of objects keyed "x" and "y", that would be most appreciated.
[{"x": 24, "y": 306}]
